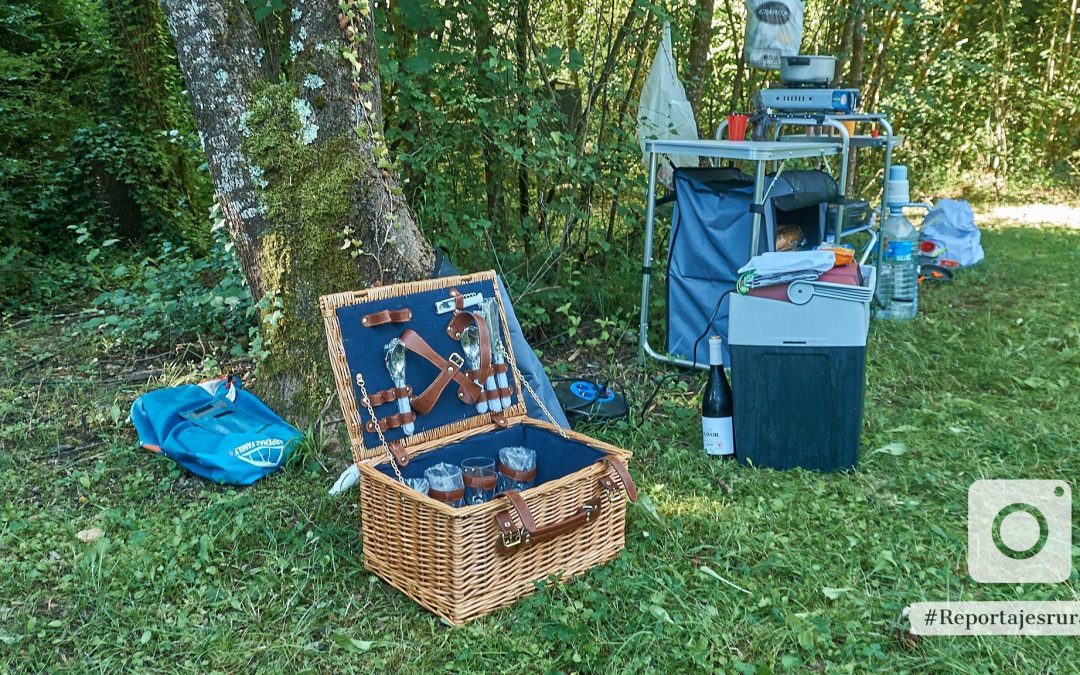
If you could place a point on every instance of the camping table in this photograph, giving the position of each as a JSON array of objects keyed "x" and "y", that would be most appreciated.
[
  {"x": 758, "y": 152},
  {"x": 888, "y": 141}
]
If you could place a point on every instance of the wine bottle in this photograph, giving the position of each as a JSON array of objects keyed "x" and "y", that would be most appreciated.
[{"x": 717, "y": 432}]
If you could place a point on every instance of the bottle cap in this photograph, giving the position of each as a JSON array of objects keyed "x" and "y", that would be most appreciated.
[
  {"x": 716, "y": 351},
  {"x": 899, "y": 192}
]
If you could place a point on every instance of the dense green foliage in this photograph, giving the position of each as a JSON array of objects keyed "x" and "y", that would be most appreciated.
[
  {"x": 547, "y": 181},
  {"x": 96, "y": 133},
  {"x": 726, "y": 569},
  {"x": 513, "y": 123}
]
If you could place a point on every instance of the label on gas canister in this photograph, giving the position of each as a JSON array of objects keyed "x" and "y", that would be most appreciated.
[{"x": 900, "y": 250}]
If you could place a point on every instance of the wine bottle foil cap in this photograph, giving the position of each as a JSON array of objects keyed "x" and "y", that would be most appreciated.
[{"x": 716, "y": 350}]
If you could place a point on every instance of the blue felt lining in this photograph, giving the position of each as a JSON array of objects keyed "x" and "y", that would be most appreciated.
[
  {"x": 555, "y": 456},
  {"x": 364, "y": 353}
]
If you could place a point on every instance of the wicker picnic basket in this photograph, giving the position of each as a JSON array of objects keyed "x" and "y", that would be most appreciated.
[{"x": 463, "y": 563}]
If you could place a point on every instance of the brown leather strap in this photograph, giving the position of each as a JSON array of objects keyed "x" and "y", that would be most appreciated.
[
  {"x": 500, "y": 368},
  {"x": 511, "y": 539},
  {"x": 468, "y": 391},
  {"x": 523, "y": 512},
  {"x": 458, "y": 323},
  {"x": 481, "y": 482},
  {"x": 389, "y": 395},
  {"x": 624, "y": 477},
  {"x": 515, "y": 474},
  {"x": 494, "y": 393},
  {"x": 391, "y": 422},
  {"x": 457, "y": 326},
  {"x": 387, "y": 316},
  {"x": 459, "y": 299},
  {"x": 427, "y": 400},
  {"x": 499, "y": 418},
  {"x": 398, "y": 451},
  {"x": 448, "y": 497}
]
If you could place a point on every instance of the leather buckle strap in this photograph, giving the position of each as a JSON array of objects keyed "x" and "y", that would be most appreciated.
[
  {"x": 387, "y": 316},
  {"x": 457, "y": 326},
  {"x": 391, "y": 422},
  {"x": 449, "y": 369},
  {"x": 624, "y": 477},
  {"x": 398, "y": 451},
  {"x": 389, "y": 395},
  {"x": 512, "y": 539},
  {"x": 517, "y": 475}
]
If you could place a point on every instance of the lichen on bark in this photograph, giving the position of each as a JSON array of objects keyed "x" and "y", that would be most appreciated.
[
  {"x": 307, "y": 191},
  {"x": 312, "y": 201}
]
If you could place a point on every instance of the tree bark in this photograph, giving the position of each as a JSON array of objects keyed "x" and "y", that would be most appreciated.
[
  {"x": 877, "y": 73},
  {"x": 856, "y": 76},
  {"x": 301, "y": 171},
  {"x": 697, "y": 71},
  {"x": 843, "y": 53}
]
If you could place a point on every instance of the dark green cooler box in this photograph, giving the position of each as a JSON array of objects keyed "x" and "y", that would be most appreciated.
[{"x": 798, "y": 366}]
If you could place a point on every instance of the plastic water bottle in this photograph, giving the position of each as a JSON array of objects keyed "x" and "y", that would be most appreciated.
[{"x": 898, "y": 278}]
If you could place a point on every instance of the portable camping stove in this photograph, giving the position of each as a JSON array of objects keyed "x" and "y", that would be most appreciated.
[{"x": 808, "y": 99}]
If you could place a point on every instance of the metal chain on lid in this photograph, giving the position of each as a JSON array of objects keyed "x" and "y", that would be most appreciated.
[{"x": 366, "y": 400}]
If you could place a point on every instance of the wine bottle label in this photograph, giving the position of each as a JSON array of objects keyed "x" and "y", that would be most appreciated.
[{"x": 718, "y": 436}]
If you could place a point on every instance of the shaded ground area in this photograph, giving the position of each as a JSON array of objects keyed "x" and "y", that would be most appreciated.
[{"x": 726, "y": 568}]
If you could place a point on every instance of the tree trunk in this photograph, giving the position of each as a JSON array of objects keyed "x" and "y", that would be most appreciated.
[
  {"x": 301, "y": 171},
  {"x": 877, "y": 73},
  {"x": 697, "y": 71},
  {"x": 856, "y": 77},
  {"x": 740, "y": 62},
  {"x": 843, "y": 53},
  {"x": 481, "y": 26}
]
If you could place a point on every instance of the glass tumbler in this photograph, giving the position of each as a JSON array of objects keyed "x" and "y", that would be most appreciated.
[
  {"x": 418, "y": 484},
  {"x": 517, "y": 468},
  {"x": 480, "y": 479},
  {"x": 446, "y": 483}
]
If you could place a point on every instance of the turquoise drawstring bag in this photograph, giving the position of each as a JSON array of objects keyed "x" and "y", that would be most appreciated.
[{"x": 215, "y": 430}]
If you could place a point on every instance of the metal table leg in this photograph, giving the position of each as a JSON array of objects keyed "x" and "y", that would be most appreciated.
[
  {"x": 646, "y": 263},
  {"x": 884, "y": 192},
  {"x": 757, "y": 208},
  {"x": 841, "y": 187}
]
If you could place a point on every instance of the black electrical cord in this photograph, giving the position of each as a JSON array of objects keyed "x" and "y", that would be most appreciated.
[{"x": 683, "y": 370}]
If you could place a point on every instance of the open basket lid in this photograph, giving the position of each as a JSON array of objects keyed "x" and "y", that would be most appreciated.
[{"x": 359, "y": 326}]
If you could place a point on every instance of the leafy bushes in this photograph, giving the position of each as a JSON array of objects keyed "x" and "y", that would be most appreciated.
[
  {"x": 96, "y": 131},
  {"x": 173, "y": 296}
]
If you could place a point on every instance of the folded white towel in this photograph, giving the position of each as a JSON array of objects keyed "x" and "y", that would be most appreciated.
[{"x": 787, "y": 262}]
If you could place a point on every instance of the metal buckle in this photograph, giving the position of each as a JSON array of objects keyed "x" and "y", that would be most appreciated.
[
  {"x": 588, "y": 509},
  {"x": 511, "y": 539},
  {"x": 611, "y": 490},
  {"x": 456, "y": 360}
]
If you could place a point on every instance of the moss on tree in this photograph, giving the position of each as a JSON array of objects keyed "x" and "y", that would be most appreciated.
[{"x": 307, "y": 190}]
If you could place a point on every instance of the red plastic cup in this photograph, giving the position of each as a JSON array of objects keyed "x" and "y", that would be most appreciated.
[{"x": 736, "y": 126}]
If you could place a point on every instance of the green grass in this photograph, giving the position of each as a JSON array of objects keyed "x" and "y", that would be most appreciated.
[{"x": 726, "y": 568}]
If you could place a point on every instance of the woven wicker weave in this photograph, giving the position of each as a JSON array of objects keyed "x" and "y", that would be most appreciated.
[{"x": 448, "y": 559}]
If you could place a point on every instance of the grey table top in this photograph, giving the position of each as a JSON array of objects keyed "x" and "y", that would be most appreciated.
[{"x": 750, "y": 150}]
